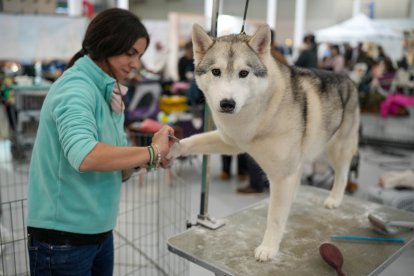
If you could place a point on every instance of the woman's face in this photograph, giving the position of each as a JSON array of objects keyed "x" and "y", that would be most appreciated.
[{"x": 122, "y": 65}]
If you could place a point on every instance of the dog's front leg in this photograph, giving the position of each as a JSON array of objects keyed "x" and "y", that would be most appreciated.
[
  {"x": 282, "y": 193},
  {"x": 204, "y": 143}
]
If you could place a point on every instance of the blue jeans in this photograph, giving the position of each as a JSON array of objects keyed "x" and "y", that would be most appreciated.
[{"x": 67, "y": 260}]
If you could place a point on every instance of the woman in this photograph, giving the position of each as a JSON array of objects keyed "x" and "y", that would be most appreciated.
[{"x": 81, "y": 156}]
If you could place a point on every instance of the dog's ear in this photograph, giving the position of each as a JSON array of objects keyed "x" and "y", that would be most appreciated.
[
  {"x": 201, "y": 42},
  {"x": 260, "y": 41}
]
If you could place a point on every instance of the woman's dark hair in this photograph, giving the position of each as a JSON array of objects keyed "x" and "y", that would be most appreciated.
[{"x": 112, "y": 32}]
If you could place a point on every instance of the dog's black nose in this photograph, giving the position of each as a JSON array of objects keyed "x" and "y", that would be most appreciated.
[{"x": 227, "y": 105}]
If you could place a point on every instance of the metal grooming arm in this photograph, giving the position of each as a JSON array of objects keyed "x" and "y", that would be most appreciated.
[{"x": 203, "y": 218}]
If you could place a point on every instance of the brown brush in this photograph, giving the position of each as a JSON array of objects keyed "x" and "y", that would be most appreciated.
[{"x": 332, "y": 256}]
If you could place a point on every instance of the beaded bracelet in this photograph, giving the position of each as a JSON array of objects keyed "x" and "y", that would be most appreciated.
[
  {"x": 150, "y": 164},
  {"x": 158, "y": 161}
]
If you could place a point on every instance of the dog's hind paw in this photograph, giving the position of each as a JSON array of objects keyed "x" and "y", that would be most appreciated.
[
  {"x": 332, "y": 202},
  {"x": 265, "y": 253}
]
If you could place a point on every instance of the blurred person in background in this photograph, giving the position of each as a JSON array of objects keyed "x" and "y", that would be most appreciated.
[
  {"x": 335, "y": 61},
  {"x": 186, "y": 63},
  {"x": 242, "y": 167},
  {"x": 308, "y": 58},
  {"x": 274, "y": 49}
]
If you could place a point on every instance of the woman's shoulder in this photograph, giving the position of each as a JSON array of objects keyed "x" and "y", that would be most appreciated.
[
  {"x": 73, "y": 84},
  {"x": 73, "y": 79}
]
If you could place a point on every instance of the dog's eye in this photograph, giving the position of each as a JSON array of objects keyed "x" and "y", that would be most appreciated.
[
  {"x": 243, "y": 73},
  {"x": 216, "y": 72}
]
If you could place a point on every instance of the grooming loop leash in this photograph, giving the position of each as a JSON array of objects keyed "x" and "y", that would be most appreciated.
[{"x": 244, "y": 16}]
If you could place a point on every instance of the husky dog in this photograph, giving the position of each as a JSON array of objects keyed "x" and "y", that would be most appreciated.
[{"x": 282, "y": 116}]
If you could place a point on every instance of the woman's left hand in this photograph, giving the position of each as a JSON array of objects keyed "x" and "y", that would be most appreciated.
[{"x": 162, "y": 140}]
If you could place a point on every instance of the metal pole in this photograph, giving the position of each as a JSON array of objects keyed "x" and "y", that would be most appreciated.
[
  {"x": 203, "y": 218},
  {"x": 271, "y": 14},
  {"x": 214, "y": 18}
]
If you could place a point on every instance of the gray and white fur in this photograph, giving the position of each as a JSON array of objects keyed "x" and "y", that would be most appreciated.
[{"x": 280, "y": 115}]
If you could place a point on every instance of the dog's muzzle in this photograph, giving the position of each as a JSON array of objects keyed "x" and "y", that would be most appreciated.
[{"x": 227, "y": 105}]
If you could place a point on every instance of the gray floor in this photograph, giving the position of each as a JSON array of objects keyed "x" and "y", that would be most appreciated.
[{"x": 223, "y": 199}]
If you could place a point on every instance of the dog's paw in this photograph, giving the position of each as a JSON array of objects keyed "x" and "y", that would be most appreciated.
[
  {"x": 175, "y": 151},
  {"x": 265, "y": 253},
  {"x": 332, "y": 202}
]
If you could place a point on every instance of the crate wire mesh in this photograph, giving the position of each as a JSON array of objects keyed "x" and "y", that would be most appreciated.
[
  {"x": 13, "y": 242},
  {"x": 154, "y": 206}
]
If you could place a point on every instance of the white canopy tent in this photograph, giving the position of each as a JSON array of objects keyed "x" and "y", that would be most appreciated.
[
  {"x": 360, "y": 28},
  {"x": 396, "y": 24}
]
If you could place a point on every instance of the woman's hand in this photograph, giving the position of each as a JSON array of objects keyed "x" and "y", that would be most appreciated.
[{"x": 164, "y": 143}]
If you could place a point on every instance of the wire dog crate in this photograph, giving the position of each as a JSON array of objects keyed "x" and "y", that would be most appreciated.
[
  {"x": 151, "y": 211},
  {"x": 154, "y": 206},
  {"x": 13, "y": 241}
]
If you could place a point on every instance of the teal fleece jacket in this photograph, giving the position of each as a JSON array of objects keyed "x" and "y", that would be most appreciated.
[{"x": 75, "y": 116}]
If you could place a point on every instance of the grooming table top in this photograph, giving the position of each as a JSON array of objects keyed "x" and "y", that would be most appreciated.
[{"x": 229, "y": 249}]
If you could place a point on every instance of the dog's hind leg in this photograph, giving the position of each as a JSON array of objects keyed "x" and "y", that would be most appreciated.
[
  {"x": 282, "y": 193},
  {"x": 340, "y": 153},
  {"x": 343, "y": 145}
]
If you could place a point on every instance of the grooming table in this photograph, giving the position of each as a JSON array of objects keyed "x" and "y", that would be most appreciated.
[{"x": 229, "y": 249}]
